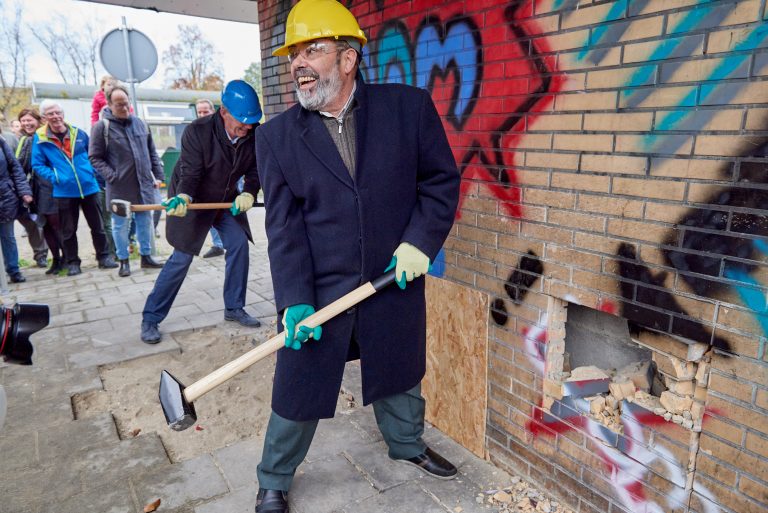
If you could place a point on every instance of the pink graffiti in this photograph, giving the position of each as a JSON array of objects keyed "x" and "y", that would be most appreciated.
[{"x": 629, "y": 467}]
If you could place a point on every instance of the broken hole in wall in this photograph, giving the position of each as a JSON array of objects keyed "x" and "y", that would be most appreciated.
[{"x": 600, "y": 369}]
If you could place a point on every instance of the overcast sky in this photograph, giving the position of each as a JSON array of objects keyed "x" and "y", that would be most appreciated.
[{"x": 237, "y": 43}]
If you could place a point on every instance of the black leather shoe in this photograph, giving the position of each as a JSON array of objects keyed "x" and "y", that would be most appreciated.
[
  {"x": 239, "y": 315},
  {"x": 108, "y": 263},
  {"x": 147, "y": 262},
  {"x": 214, "y": 252},
  {"x": 150, "y": 333},
  {"x": 73, "y": 269},
  {"x": 432, "y": 464},
  {"x": 271, "y": 501},
  {"x": 125, "y": 268},
  {"x": 56, "y": 266},
  {"x": 42, "y": 262},
  {"x": 18, "y": 278}
]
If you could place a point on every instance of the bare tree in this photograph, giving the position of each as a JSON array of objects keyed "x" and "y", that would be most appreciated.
[
  {"x": 13, "y": 62},
  {"x": 252, "y": 75},
  {"x": 73, "y": 52},
  {"x": 192, "y": 63}
]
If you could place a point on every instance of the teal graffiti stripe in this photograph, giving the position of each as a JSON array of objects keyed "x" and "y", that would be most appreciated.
[
  {"x": 393, "y": 53},
  {"x": 690, "y": 21},
  {"x": 753, "y": 298},
  {"x": 616, "y": 12},
  {"x": 641, "y": 76},
  {"x": 667, "y": 47},
  {"x": 720, "y": 72}
]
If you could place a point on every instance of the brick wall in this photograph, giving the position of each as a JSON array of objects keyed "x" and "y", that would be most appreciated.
[{"x": 613, "y": 154}]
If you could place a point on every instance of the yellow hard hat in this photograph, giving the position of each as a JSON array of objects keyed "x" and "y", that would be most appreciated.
[{"x": 315, "y": 19}]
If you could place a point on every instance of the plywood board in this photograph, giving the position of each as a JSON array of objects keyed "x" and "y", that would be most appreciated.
[{"x": 455, "y": 386}]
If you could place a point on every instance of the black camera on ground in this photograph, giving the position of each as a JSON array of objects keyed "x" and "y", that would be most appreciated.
[{"x": 17, "y": 324}]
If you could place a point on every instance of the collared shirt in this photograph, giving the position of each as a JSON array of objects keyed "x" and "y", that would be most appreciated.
[
  {"x": 61, "y": 140},
  {"x": 232, "y": 140}
]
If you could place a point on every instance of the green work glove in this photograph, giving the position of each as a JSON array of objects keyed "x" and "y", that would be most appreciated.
[
  {"x": 177, "y": 205},
  {"x": 409, "y": 263},
  {"x": 292, "y": 316},
  {"x": 242, "y": 203}
]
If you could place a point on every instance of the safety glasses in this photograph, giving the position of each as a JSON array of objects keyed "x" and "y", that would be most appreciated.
[{"x": 313, "y": 50}]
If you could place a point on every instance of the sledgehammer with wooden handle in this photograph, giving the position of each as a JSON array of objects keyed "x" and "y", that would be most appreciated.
[
  {"x": 176, "y": 399},
  {"x": 124, "y": 208}
]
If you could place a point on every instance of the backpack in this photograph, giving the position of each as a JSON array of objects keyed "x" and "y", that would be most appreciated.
[{"x": 106, "y": 130}]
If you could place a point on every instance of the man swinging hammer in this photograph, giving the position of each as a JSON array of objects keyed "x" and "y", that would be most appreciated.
[
  {"x": 216, "y": 151},
  {"x": 356, "y": 178}
]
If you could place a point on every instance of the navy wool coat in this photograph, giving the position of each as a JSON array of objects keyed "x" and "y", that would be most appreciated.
[
  {"x": 329, "y": 233},
  {"x": 208, "y": 170}
]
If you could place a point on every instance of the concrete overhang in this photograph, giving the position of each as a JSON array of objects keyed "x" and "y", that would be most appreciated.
[{"x": 245, "y": 11}]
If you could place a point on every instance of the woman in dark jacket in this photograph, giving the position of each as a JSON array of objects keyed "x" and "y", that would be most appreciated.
[
  {"x": 42, "y": 191},
  {"x": 13, "y": 186}
]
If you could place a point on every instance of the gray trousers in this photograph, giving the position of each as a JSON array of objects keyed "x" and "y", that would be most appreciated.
[
  {"x": 400, "y": 418},
  {"x": 35, "y": 236}
]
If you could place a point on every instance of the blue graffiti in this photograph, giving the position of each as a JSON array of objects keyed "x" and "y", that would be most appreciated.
[
  {"x": 456, "y": 51},
  {"x": 437, "y": 268},
  {"x": 394, "y": 56},
  {"x": 752, "y": 294},
  {"x": 617, "y": 11},
  {"x": 438, "y": 51}
]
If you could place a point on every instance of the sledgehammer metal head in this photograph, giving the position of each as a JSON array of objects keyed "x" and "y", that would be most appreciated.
[
  {"x": 179, "y": 413},
  {"x": 120, "y": 207}
]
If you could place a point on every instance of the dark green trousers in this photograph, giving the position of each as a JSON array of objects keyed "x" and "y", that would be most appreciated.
[{"x": 400, "y": 418}]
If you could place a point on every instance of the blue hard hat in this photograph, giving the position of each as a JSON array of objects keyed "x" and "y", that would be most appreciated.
[{"x": 242, "y": 102}]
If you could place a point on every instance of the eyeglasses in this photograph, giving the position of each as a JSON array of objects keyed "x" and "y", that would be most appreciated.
[
  {"x": 52, "y": 113},
  {"x": 312, "y": 51}
]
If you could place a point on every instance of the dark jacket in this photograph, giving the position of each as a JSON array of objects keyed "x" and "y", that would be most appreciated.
[
  {"x": 127, "y": 159},
  {"x": 208, "y": 170},
  {"x": 42, "y": 190},
  {"x": 13, "y": 184},
  {"x": 329, "y": 234}
]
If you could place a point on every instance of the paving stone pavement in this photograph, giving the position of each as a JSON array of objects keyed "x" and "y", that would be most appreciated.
[{"x": 53, "y": 462}]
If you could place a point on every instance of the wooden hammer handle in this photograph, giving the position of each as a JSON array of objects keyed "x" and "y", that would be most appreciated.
[
  {"x": 231, "y": 369},
  {"x": 191, "y": 206}
]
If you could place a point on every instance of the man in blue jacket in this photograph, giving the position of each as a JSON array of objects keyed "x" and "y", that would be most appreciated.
[
  {"x": 357, "y": 178},
  {"x": 60, "y": 156}
]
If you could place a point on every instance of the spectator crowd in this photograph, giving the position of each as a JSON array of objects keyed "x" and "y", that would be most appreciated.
[{"x": 52, "y": 171}]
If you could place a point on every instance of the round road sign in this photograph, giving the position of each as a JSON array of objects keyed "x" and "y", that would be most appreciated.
[{"x": 113, "y": 55}]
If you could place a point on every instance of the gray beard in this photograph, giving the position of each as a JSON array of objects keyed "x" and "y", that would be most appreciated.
[{"x": 325, "y": 91}]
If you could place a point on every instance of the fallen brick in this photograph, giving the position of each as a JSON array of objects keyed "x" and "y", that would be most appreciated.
[
  {"x": 588, "y": 372},
  {"x": 640, "y": 373},
  {"x": 696, "y": 351},
  {"x": 596, "y": 404},
  {"x": 683, "y": 369},
  {"x": 687, "y": 387},
  {"x": 675, "y": 403},
  {"x": 621, "y": 390},
  {"x": 649, "y": 402},
  {"x": 674, "y": 367}
]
